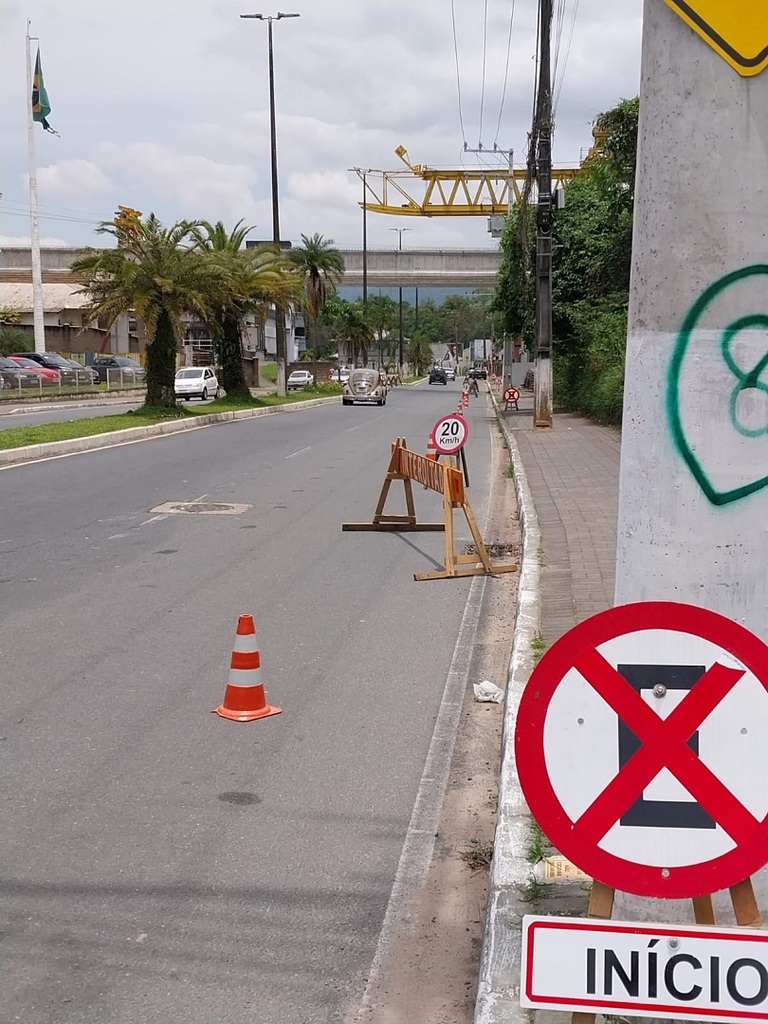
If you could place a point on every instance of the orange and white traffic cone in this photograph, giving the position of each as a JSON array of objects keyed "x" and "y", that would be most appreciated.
[
  {"x": 431, "y": 448},
  {"x": 245, "y": 698}
]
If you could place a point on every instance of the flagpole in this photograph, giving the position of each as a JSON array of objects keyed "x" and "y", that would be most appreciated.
[{"x": 37, "y": 270}]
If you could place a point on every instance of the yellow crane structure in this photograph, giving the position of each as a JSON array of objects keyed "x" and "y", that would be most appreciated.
[{"x": 466, "y": 192}]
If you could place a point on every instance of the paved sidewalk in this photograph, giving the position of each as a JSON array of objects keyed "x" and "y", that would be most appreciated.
[
  {"x": 567, "y": 483},
  {"x": 573, "y": 474}
]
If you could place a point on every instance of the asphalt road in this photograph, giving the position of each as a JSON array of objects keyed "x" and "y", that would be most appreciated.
[{"x": 161, "y": 864}]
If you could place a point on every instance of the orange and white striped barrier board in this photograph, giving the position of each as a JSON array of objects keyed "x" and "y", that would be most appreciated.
[
  {"x": 409, "y": 466},
  {"x": 245, "y": 698}
]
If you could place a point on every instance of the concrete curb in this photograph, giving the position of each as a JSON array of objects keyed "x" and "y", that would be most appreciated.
[
  {"x": 498, "y": 993},
  {"x": 34, "y": 452}
]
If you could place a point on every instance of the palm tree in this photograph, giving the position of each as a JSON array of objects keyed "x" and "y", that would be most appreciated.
[
  {"x": 153, "y": 273},
  {"x": 354, "y": 329},
  {"x": 253, "y": 280},
  {"x": 322, "y": 268},
  {"x": 420, "y": 354}
]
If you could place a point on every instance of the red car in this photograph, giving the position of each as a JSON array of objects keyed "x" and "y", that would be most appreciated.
[{"x": 48, "y": 376}]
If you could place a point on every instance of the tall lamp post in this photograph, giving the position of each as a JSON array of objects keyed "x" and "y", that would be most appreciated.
[
  {"x": 400, "y": 296},
  {"x": 279, "y": 313}
]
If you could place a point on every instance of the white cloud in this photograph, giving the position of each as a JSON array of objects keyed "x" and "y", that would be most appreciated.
[
  {"x": 167, "y": 110},
  {"x": 70, "y": 180}
]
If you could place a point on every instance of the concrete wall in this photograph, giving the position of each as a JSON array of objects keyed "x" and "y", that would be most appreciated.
[{"x": 693, "y": 517}]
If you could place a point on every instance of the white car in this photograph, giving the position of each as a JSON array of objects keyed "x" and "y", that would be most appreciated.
[
  {"x": 341, "y": 375},
  {"x": 196, "y": 382},
  {"x": 300, "y": 379},
  {"x": 450, "y": 372}
]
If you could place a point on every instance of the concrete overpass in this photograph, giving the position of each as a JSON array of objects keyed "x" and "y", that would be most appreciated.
[
  {"x": 387, "y": 268},
  {"x": 422, "y": 268}
]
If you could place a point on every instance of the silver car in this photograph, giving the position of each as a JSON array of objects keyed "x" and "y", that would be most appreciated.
[{"x": 365, "y": 387}]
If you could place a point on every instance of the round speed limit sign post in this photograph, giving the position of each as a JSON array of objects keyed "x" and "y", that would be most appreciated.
[{"x": 450, "y": 434}]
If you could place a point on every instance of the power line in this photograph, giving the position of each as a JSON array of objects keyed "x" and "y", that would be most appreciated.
[
  {"x": 458, "y": 74},
  {"x": 506, "y": 72},
  {"x": 482, "y": 79},
  {"x": 559, "y": 82}
]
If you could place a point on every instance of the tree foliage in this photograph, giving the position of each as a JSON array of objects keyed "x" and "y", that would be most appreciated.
[
  {"x": 591, "y": 268},
  {"x": 251, "y": 280},
  {"x": 155, "y": 272}
]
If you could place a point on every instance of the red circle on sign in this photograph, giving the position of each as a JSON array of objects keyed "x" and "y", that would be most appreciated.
[
  {"x": 660, "y": 747},
  {"x": 511, "y": 395},
  {"x": 450, "y": 433}
]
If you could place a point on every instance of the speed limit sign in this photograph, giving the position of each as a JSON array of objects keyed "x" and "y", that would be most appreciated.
[{"x": 450, "y": 434}]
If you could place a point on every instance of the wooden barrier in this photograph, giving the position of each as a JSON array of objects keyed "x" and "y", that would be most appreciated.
[{"x": 448, "y": 480}]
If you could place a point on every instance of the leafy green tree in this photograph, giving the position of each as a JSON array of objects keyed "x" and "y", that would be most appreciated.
[
  {"x": 322, "y": 268},
  {"x": 156, "y": 273},
  {"x": 591, "y": 267},
  {"x": 14, "y": 339},
  {"x": 351, "y": 329},
  {"x": 420, "y": 356},
  {"x": 382, "y": 314},
  {"x": 251, "y": 280}
]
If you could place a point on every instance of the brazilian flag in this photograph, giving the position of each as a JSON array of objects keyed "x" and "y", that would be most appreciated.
[{"x": 41, "y": 108}]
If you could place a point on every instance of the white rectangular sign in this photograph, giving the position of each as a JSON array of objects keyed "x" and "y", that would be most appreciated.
[{"x": 677, "y": 971}]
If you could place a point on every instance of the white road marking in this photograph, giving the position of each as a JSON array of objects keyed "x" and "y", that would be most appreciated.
[{"x": 301, "y": 451}]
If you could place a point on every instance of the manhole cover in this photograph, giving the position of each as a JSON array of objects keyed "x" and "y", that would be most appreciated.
[{"x": 205, "y": 508}]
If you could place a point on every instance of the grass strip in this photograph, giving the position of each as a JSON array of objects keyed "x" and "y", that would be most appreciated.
[{"x": 67, "y": 430}]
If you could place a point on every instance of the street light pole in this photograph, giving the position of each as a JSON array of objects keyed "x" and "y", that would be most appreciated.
[
  {"x": 400, "y": 297},
  {"x": 279, "y": 312}
]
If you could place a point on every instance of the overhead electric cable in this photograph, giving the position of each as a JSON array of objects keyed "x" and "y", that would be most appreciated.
[
  {"x": 458, "y": 74},
  {"x": 559, "y": 83},
  {"x": 506, "y": 73},
  {"x": 482, "y": 80}
]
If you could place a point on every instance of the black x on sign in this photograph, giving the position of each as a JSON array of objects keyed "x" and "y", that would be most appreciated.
[{"x": 642, "y": 749}]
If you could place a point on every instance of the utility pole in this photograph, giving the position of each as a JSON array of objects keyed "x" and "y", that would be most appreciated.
[
  {"x": 400, "y": 296},
  {"x": 693, "y": 503},
  {"x": 365, "y": 250},
  {"x": 542, "y": 395},
  {"x": 279, "y": 312}
]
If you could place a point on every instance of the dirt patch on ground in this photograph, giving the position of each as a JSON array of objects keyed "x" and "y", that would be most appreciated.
[{"x": 432, "y": 971}]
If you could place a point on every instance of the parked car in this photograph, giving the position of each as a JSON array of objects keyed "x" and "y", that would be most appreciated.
[
  {"x": 196, "y": 382},
  {"x": 16, "y": 376},
  {"x": 300, "y": 379},
  {"x": 450, "y": 372},
  {"x": 364, "y": 386},
  {"x": 119, "y": 369},
  {"x": 84, "y": 373},
  {"x": 64, "y": 368},
  {"x": 437, "y": 375},
  {"x": 48, "y": 377}
]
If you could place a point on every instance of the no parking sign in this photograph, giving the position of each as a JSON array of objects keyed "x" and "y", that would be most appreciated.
[{"x": 642, "y": 749}]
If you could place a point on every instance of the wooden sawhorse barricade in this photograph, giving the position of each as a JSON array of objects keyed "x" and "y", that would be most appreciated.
[{"x": 410, "y": 466}]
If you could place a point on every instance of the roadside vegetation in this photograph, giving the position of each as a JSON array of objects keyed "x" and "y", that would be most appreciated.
[
  {"x": 591, "y": 265},
  {"x": 18, "y": 437}
]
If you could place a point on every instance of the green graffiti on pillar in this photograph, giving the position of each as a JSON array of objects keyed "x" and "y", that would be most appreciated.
[{"x": 754, "y": 378}]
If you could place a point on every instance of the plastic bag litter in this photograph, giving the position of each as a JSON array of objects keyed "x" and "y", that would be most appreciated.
[{"x": 488, "y": 691}]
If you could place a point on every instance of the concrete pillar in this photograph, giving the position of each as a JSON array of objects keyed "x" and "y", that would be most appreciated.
[{"x": 693, "y": 511}]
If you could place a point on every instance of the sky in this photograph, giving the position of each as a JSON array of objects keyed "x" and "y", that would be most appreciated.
[{"x": 163, "y": 106}]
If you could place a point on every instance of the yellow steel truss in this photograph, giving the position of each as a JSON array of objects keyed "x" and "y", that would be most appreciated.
[{"x": 466, "y": 192}]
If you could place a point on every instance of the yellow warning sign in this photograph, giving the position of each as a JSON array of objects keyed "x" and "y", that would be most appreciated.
[{"x": 737, "y": 29}]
